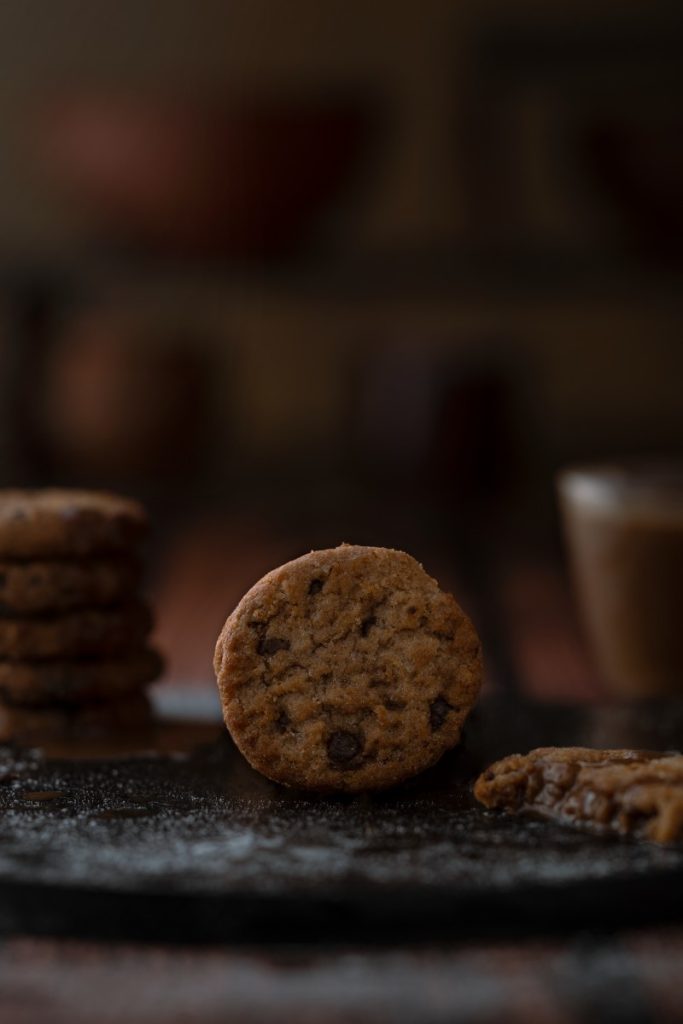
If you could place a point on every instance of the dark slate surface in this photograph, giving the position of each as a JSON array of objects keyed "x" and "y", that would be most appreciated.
[{"x": 200, "y": 848}]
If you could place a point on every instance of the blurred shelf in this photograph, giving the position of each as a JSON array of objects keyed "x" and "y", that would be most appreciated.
[
  {"x": 435, "y": 278},
  {"x": 629, "y": 44}
]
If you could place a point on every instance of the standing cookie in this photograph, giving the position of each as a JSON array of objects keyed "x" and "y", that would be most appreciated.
[{"x": 347, "y": 669}]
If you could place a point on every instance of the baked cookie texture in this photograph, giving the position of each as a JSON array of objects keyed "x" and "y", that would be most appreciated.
[
  {"x": 57, "y": 523},
  {"x": 85, "y": 633},
  {"x": 347, "y": 669},
  {"x": 91, "y": 680},
  {"x": 36, "y": 725},
  {"x": 630, "y": 792},
  {"x": 31, "y": 588}
]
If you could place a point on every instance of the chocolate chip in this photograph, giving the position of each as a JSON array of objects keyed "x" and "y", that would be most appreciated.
[
  {"x": 412, "y": 610},
  {"x": 438, "y": 712},
  {"x": 282, "y": 722},
  {"x": 272, "y": 644},
  {"x": 315, "y": 587},
  {"x": 394, "y": 705},
  {"x": 342, "y": 747},
  {"x": 367, "y": 624}
]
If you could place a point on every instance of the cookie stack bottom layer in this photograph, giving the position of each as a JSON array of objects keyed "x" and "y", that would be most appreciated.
[{"x": 64, "y": 683}]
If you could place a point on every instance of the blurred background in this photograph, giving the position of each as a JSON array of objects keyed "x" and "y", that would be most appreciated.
[{"x": 302, "y": 273}]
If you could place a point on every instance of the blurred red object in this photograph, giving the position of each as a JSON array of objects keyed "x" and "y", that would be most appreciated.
[
  {"x": 117, "y": 403},
  {"x": 238, "y": 178}
]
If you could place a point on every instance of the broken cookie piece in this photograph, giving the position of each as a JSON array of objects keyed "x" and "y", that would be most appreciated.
[
  {"x": 347, "y": 669},
  {"x": 630, "y": 792}
]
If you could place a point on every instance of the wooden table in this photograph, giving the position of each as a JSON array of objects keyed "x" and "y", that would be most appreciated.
[{"x": 633, "y": 977}]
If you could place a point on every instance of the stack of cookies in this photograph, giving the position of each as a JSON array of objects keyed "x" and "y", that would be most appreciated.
[{"x": 73, "y": 630}]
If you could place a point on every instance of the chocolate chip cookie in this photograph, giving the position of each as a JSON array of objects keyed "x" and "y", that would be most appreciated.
[
  {"x": 62, "y": 523},
  {"x": 347, "y": 669},
  {"x": 28, "y": 588},
  {"x": 35, "y": 726},
  {"x": 625, "y": 791},
  {"x": 85, "y": 633},
  {"x": 29, "y": 684}
]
